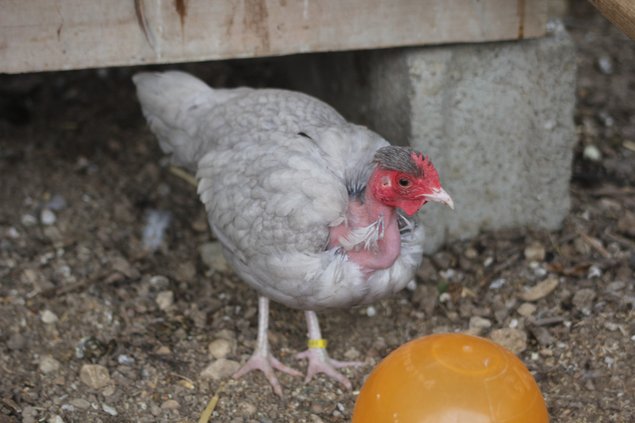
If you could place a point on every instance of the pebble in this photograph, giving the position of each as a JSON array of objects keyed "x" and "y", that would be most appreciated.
[
  {"x": 80, "y": 403},
  {"x": 47, "y": 217},
  {"x": 371, "y": 311},
  {"x": 55, "y": 419},
  {"x": 159, "y": 282},
  {"x": 594, "y": 272},
  {"x": 16, "y": 342},
  {"x": 125, "y": 359},
  {"x": 109, "y": 409},
  {"x": 352, "y": 354},
  {"x": 480, "y": 322},
  {"x": 170, "y": 405},
  {"x": 28, "y": 220},
  {"x": 592, "y": 153},
  {"x": 220, "y": 369},
  {"x": 212, "y": 255},
  {"x": 540, "y": 290},
  {"x": 542, "y": 335},
  {"x": 583, "y": 300},
  {"x": 94, "y": 376},
  {"x": 315, "y": 418},
  {"x": 48, "y": 317},
  {"x": 526, "y": 309},
  {"x": 221, "y": 348},
  {"x": 48, "y": 364},
  {"x": 605, "y": 63},
  {"x": 165, "y": 300},
  {"x": 247, "y": 409},
  {"x": 497, "y": 283},
  {"x": 425, "y": 296},
  {"x": 471, "y": 253},
  {"x": 57, "y": 202},
  {"x": 535, "y": 252},
  {"x": 13, "y": 233},
  {"x": 513, "y": 339}
]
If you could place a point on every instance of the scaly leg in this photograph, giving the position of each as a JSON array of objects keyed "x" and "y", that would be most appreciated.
[
  {"x": 319, "y": 360},
  {"x": 262, "y": 359}
]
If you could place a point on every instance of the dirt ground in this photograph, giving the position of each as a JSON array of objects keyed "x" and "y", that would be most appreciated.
[{"x": 95, "y": 329}]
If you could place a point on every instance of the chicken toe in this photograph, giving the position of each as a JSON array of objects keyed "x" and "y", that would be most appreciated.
[
  {"x": 262, "y": 359},
  {"x": 318, "y": 358}
]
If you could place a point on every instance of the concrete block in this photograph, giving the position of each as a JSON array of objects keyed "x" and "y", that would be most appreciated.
[{"x": 496, "y": 118}]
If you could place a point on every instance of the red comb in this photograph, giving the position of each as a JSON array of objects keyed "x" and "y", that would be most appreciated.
[{"x": 425, "y": 165}]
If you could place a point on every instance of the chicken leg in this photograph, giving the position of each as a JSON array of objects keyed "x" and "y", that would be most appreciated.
[
  {"x": 262, "y": 359},
  {"x": 319, "y": 360}
]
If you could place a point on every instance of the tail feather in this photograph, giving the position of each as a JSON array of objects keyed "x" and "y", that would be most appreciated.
[{"x": 175, "y": 105}]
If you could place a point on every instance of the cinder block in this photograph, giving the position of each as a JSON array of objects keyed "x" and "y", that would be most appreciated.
[{"x": 496, "y": 118}]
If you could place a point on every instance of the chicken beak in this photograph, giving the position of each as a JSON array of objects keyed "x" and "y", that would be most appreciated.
[{"x": 440, "y": 196}]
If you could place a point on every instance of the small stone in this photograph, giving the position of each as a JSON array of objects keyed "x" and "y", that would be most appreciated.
[
  {"x": 125, "y": 360},
  {"x": 540, "y": 290},
  {"x": 57, "y": 202},
  {"x": 583, "y": 300},
  {"x": 220, "y": 369},
  {"x": 165, "y": 300},
  {"x": 425, "y": 296},
  {"x": 315, "y": 418},
  {"x": 605, "y": 64},
  {"x": 480, "y": 322},
  {"x": 94, "y": 376},
  {"x": 371, "y": 311},
  {"x": 247, "y": 409},
  {"x": 535, "y": 252},
  {"x": 123, "y": 266},
  {"x": 526, "y": 309},
  {"x": 212, "y": 255},
  {"x": 80, "y": 403},
  {"x": 352, "y": 354},
  {"x": 48, "y": 317},
  {"x": 159, "y": 282},
  {"x": 497, "y": 283},
  {"x": 594, "y": 272},
  {"x": 221, "y": 348},
  {"x": 592, "y": 153},
  {"x": 48, "y": 364},
  {"x": 47, "y": 217},
  {"x": 478, "y": 325},
  {"x": 626, "y": 224},
  {"x": 471, "y": 253},
  {"x": 542, "y": 334},
  {"x": 514, "y": 340},
  {"x": 13, "y": 233},
  {"x": 109, "y": 409},
  {"x": 55, "y": 419},
  {"x": 16, "y": 342},
  {"x": 163, "y": 350},
  {"x": 28, "y": 220},
  {"x": 170, "y": 405}
]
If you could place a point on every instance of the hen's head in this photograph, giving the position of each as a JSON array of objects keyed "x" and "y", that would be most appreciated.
[{"x": 405, "y": 179}]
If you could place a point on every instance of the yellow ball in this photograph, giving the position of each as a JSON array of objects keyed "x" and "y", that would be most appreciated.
[{"x": 450, "y": 378}]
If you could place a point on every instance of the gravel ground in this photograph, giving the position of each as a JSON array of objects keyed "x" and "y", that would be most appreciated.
[{"x": 94, "y": 328}]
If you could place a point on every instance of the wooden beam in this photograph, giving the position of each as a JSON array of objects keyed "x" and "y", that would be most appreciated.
[
  {"x": 620, "y": 12},
  {"x": 38, "y": 35}
]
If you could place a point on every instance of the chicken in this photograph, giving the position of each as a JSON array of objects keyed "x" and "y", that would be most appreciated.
[{"x": 311, "y": 211}]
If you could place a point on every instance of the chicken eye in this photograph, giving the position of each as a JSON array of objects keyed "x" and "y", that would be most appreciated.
[{"x": 404, "y": 182}]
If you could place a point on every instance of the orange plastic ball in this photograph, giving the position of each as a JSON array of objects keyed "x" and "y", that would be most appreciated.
[{"x": 450, "y": 378}]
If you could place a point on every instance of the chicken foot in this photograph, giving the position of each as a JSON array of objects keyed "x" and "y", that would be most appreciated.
[
  {"x": 262, "y": 359},
  {"x": 318, "y": 358}
]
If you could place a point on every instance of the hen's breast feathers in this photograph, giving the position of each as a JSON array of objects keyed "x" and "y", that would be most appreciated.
[{"x": 277, "y": 173}]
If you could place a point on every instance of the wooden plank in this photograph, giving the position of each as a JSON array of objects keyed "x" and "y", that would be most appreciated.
[
  {"x": 620, "y": 12},
  {"x": 40, "y": 35}
]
